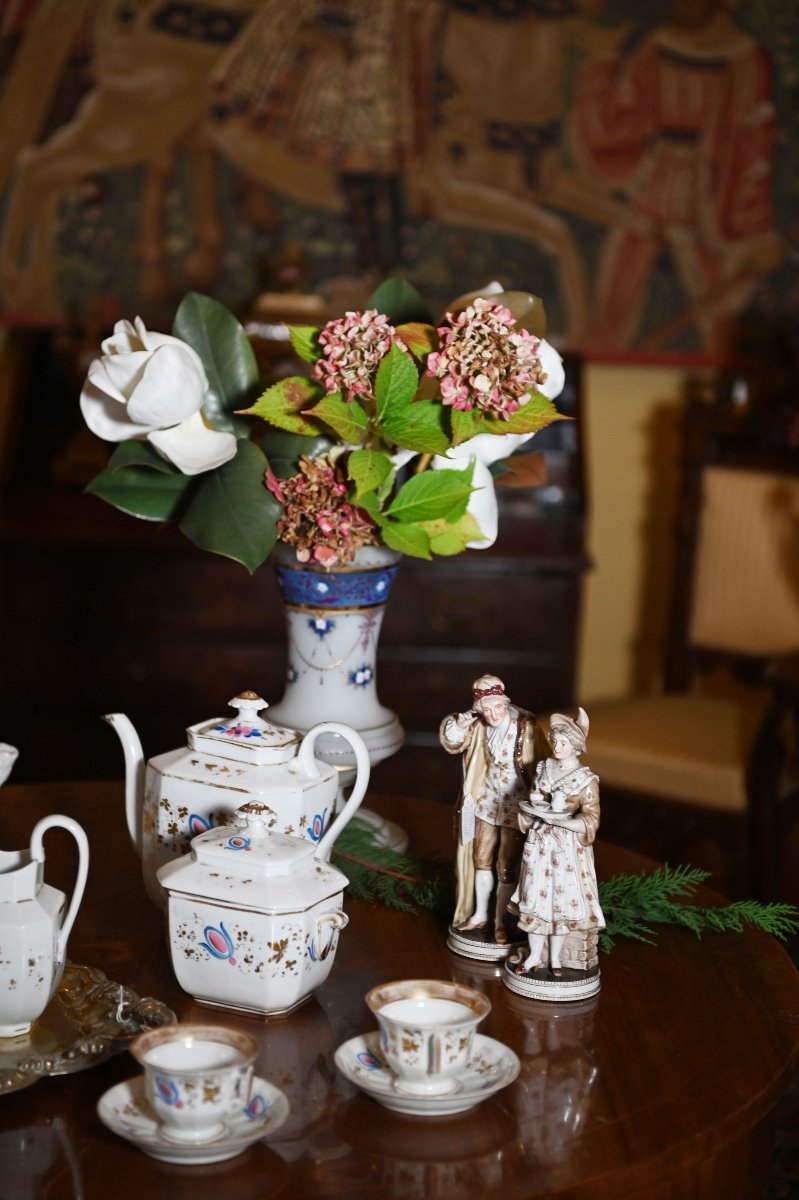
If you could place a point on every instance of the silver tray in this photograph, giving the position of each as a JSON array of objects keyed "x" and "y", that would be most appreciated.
[{"x": 88, "y": 1020}]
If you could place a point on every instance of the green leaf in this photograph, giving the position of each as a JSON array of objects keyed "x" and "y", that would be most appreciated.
[
  {"x": 400, "y": 302},
  {"x": 229, "y": 360},
  {"x": 151, "y": 495},
  {"x": 346, "y": 418},
  {"x": 233, "y": 512},
  {"x": 447, "y": 538},
  {"x": 538, "y": 412},
  {"x": 395, "y": 383},
  {"x": 421, "y": 426},
  {"x": 466, "y": 424},
  {"x": 304, "y": 339},
  {"x": 284, "y": 449},
  {"x": 407, "y": 538},
  {"x": 432, "y": 496},
  {"x": 139, "y": 453},
  {"x": 369, "y": 470},
  {"x": 283, "y": 404},
  {"x": 420, "y": 339}
]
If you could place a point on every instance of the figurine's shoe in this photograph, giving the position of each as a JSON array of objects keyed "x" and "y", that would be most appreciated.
[
  {"x": 125, "y": 1111},
  {"x": 520, "y": 968},
  {"x": 492, "y": 1066},
  {"x": 471, "y": 926}
]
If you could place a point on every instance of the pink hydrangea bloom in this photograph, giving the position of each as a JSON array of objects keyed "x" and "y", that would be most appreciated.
[
  {"x": 485, "y": 361},
  {"x": 352, "y": 349},
  {"x": 318, "y": 520}
]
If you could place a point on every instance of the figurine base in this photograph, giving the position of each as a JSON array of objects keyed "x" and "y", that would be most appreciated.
[
  {"x": 477, "y": 946},
  {"x": 540, "y": 984}
]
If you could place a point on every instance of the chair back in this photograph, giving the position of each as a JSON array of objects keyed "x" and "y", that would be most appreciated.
[
  {"x": 746, "y": 577},
  {"x": 735, "y": 592}
]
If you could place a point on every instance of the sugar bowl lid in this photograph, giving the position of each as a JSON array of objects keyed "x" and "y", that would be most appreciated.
[
  {"x": 246, "y": 737},
  {"x": 248, "y": 865}
]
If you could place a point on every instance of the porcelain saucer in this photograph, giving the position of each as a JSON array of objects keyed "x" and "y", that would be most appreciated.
[
  {"x": 125, "y": 1111},
  {"x": 492, "y": 1066}
]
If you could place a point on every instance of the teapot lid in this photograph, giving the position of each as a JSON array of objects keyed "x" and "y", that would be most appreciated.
[
  {"x": 247, "y": 737},
  {"x": 250, "y": 866}
]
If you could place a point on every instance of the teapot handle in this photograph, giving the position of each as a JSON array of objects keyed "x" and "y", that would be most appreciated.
[
  {"x": 37, "y": 855},
  {"x": 307, "y": 764}
]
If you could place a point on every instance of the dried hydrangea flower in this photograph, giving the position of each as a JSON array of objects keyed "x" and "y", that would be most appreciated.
[
  {"x": 318, "y": 520},
  {"x": 352, "y": 349},
  {"x": 485, "y": 361}
]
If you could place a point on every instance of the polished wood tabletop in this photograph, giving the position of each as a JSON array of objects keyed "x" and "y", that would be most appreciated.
[{"x": 662, "y": 1086}]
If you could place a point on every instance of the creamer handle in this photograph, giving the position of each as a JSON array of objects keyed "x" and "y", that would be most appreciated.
[{"x": 37, "y": 854}]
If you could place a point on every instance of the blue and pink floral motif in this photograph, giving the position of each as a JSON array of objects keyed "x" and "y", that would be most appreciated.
[
  {"x": 197, "y": 824},
  {"x": 317, "y": 826},
  {"x": 335, "y": 589},
  {"x": 219, "y": 943},
  {"x": 237, "y": 842},
  {"x": 369, "y": 1060},
  {"x": 238, "y": 729},
  {"x": 257, "y": 1107},
  {"x": 168, "y": 1091}
]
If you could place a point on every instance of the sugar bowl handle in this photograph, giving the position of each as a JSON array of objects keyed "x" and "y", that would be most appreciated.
[
  {"x": 37, "y": 855},
  {"x": 336, "y": 921}
]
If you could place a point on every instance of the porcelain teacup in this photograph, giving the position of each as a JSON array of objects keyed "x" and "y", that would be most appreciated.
[
  {"x": 427, "y": 1029},
  {"x": 197, "y": 1077}
]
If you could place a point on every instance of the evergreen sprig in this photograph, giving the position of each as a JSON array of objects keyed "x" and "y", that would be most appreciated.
[
  {"x": 632, "y": 904},
  {"x": 381, "y": 875}
]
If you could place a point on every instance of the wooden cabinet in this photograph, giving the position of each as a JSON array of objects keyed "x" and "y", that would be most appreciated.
[{"x": 100, "y": 613}]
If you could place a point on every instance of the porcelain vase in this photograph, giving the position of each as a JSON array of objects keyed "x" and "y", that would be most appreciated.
[{"x": 333, "y": 621}]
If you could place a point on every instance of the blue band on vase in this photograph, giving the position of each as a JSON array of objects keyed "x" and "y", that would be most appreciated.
[{"x": 334, "y": 589}]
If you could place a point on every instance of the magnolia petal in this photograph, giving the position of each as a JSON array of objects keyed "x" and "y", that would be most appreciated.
[
  {"x": 489, "y": 448},
  {"x": 553, "y": 365},
  {"x": 192, "y": 447},
  {"x": 107, "y": 416},
  {"x": 400, "y": 457},
  {"x": 124, "y": 340},
  {"x": 171, "y": 388},
  {"x": 483, "y": 501},
  {"x": 120, "y": 374}
]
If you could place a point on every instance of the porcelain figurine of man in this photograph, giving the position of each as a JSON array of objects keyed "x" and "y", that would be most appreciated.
[{"x": 500, "y": 744}]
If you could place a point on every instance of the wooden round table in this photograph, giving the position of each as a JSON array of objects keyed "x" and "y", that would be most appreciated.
[{"x": 662, "y": 1086}]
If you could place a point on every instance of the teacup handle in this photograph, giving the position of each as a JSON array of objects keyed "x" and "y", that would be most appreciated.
[
  {"x": 307, "y": 765},
  {"x": 37, "y": 854}
]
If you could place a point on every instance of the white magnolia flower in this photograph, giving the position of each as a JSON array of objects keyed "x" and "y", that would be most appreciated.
[
  {"x": 151, "y": 385},
  {"x": 488, "y": 448}
]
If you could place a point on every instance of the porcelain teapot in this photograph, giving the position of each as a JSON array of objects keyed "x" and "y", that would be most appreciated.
[
  {"x": 33, "y": 927},
  {"x": 188, "y": 791},
  {"x": 254, "y": 915}
]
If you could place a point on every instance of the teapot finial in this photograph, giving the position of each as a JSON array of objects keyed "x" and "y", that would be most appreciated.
[{"x": 248, "y": 704}]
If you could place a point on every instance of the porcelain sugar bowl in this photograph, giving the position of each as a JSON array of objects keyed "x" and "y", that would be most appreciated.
[
  {"x": 253, "y": 914},
  {"x": 228, "y": 760}
]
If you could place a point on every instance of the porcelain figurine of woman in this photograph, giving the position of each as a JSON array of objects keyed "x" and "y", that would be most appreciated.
[{"x": 557, "y": 897}]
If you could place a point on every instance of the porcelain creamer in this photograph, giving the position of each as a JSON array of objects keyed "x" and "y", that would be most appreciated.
[
  {"x": 254, "y": 914},
  {"x": 229, "y": 760},
  {"x": 34, "y": 927}
]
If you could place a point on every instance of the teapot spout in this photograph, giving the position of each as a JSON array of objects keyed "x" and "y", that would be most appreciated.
[{"x": 134, "y": 774}]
